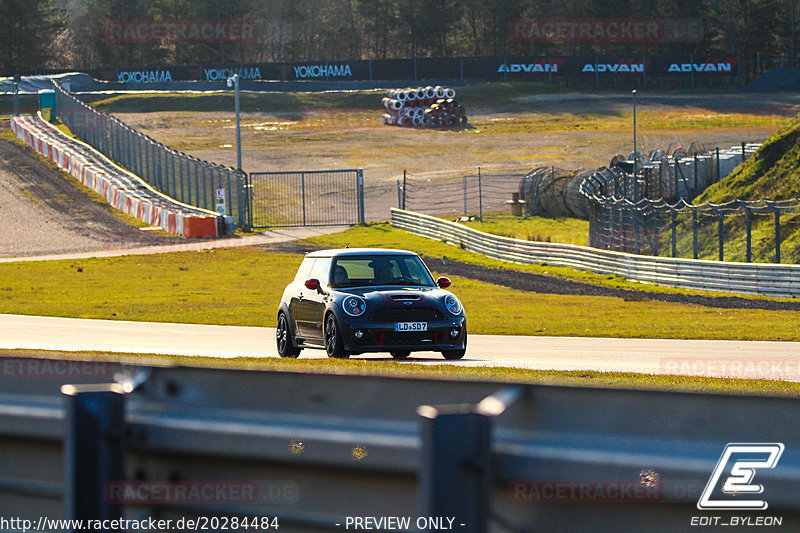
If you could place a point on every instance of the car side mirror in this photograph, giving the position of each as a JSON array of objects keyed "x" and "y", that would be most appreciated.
[
  {"x": 312, "y": 284},
  {"x": 443, "y": 282}
]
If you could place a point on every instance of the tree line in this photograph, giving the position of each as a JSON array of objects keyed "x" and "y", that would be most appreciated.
[{"x": 70, "y": 34}]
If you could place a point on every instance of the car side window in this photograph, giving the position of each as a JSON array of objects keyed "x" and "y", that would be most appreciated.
[
  {"x": 321, "y": 270},
  {"x": 304, "y": 271}
]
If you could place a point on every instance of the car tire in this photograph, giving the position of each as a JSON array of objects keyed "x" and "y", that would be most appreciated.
[
  {"x": 334, "y": 346},
  {"x": 283, "y": 339},
  {"x": 400, "y": 354},
  {"x": 456, "y": 354}
]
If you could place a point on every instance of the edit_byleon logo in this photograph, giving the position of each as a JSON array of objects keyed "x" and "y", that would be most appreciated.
[{"x": 738, "y": 466}]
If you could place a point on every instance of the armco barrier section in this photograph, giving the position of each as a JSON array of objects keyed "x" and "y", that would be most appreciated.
[
  {"x": 747, "y": 278},
  {"x": 316, "y": 452},
  {"x": 119, "y": 187}
]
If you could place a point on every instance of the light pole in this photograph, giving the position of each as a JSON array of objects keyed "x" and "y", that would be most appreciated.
[
  {"x": 635, "y": 153},
  {"x": 233, "y": 81}
]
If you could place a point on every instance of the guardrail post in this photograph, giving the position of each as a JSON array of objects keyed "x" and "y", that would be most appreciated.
[
  {"x": 694, "y": 232},
  {"x": 777, "y": 235},
  {"x": 454, "y": 466},
  {"x": 93, "y": 454},
  {"x": 721, "y": 236}
]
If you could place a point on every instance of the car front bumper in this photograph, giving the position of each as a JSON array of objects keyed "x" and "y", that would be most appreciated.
[{"x": 382, "y": 337}]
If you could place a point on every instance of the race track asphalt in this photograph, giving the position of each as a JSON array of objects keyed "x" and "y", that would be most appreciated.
[{"x": 740, "y": 359}]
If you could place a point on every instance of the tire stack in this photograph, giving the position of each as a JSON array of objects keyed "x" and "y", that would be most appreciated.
[{"x": 431, "y": 107}]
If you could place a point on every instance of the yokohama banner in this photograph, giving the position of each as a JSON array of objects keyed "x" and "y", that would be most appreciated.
[{"x": 591, "y": 30}]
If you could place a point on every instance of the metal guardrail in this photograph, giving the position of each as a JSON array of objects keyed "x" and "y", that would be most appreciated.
[
  {"x": 319, "y": 451},
  {"x": 747, "y": 278}
]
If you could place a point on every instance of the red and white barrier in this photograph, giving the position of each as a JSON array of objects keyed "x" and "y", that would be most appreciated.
[{"x": 120, "y": 188}]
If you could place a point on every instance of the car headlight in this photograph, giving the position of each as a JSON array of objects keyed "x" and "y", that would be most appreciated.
[
  {"x": 354, "y": 306},
  {"x": 452, "y": 304}
]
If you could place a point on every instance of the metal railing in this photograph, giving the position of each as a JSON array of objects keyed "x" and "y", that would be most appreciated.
[
  {"x": 178, "y": 175},
  {"x": 770, "y": 280},
  {"x": 307, "y": 198},
  {"x": 314, "y": 451}
]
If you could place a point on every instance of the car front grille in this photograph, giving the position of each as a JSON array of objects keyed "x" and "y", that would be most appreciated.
[
  {"x": 407, "y": 314},
  {"x": 409, "y": 339}
]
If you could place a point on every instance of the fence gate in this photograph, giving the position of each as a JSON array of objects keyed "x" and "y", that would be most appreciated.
[{"x": 318, "y": 198}]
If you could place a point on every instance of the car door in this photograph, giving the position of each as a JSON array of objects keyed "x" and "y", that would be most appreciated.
[
  {"x": 298, "y": 293},
  {"x": 310, "y": 304}
]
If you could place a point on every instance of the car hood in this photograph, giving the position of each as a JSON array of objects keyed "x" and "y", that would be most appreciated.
[{"x": 391, "y": 292}]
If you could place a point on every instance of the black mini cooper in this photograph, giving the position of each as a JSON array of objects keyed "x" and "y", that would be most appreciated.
[{"x": 352, "y": 301}]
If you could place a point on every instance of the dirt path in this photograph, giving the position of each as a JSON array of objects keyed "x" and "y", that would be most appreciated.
[{"x": 42, "y": 211}]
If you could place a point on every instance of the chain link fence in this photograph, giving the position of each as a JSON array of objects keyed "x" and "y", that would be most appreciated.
[
  {"x": 467, "y": 195},
  {"x": 750, "y": 231},
  {"x": 178, "y": 175}
]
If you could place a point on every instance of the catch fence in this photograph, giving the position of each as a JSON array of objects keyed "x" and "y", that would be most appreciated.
[
  {"x": 183, "y": 177},
  {"x": 750, "y": 231},
  {"x": 466, "y": 195}
]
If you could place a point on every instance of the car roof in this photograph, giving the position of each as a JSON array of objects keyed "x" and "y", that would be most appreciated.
[{"x": 340, "y": 252}]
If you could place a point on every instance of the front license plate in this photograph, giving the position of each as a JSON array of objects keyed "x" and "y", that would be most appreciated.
[{"x": 411, "y": 326}]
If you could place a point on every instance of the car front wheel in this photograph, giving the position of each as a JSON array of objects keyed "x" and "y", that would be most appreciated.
[
  {"x": 334, "y": 346},
  {"x": 284, "y": 339},
  {"x": 456, "y": 354}
]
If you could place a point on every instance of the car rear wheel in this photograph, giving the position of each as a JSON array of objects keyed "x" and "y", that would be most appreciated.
[
  {"x": 284, "y": 338},
  {"x": 400, "y": 354},
  {"x": 334, "y": 346}
]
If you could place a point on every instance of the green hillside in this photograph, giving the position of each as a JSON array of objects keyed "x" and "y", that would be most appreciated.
[{"x": 772, "y": 173}]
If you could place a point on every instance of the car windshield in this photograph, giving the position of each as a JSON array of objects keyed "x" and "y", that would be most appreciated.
[{"x": 359, "y": 271}]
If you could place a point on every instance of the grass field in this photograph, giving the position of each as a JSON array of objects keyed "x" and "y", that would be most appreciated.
[
  {"x": 243, "y": 287},
  {"x": 542, "y": 229},
  {"x": 361, "y": 367}
]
